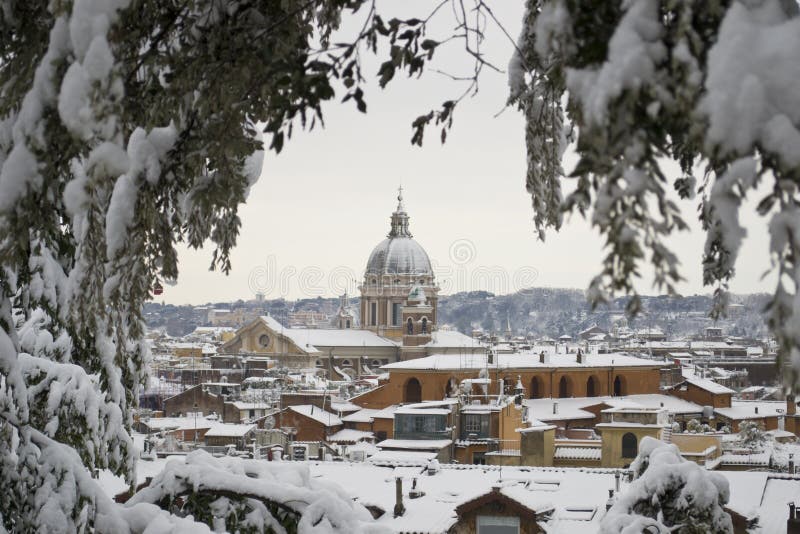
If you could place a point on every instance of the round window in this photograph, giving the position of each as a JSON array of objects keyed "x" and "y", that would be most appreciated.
[{"x": 263, "y": 340}]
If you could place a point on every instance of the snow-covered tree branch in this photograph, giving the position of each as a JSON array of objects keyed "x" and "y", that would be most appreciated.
[
  {"x": 669, "y": 493},
  {"x": 710, "y": 85}
]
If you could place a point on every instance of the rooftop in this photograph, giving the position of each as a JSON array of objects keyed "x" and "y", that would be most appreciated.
[
  {"x": 522, "y": 360},
  {"x": 310, "y": 339},
  {"x": 317, "y": 414}
]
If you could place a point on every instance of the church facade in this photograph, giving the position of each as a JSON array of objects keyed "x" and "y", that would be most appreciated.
[{"x": 399, "y": 298}]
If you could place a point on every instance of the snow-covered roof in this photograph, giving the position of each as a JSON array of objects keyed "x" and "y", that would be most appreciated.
[
  {"x": 348, "y": 435},
  {"x": 385, "y": 413},
  {"x": 452, "y": 338},
  {"x": 242, "y": 405},
  {"x": 317, "y": 414},
  {"x": 364, "y": 415},
  {"x": 719, "y": 345},
  {"x": 429, "y": 411},
  {"x": 757, "y": 458},
  {"x": 577, "y": 453},
  {"x": 574, "y": 407},
  {"x": 522, "y": 360},
  {"x": 741, "y": 409},
  {"x": 227, "y": 430},
  {"x": 705, "y": 383},
  {"x": 344, "y": 406},
  {"x": 415, "y": 444},
  {"x": 576, "y": 497},
  {"x": 310, "y": 339},
  {"x": 402, "y": 458}
]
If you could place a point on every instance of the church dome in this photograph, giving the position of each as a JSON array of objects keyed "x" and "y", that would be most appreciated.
[{"x": 399, "y": 253}]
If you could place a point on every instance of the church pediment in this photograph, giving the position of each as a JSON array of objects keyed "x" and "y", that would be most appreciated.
[{"x": 260, "y": 337}]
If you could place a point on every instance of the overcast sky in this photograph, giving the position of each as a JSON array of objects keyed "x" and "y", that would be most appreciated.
[{"x": 323, "y": 204}]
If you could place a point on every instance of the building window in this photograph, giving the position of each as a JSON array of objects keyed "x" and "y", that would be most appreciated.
[
  {"x": 413, "y": 392},
  {"x": 629, "y": 446},
  {"x": 619, "y": 387},
  {"x": 410, "y": 326},
  {"x": 374, "y": 313},
  {"x": 347, "y": 324},
  {"x": 380, "y": 435},
  {"x": 479, "y": 458},
  {"x": 346, "y": 363},
  {"x": 419, "y": 424},
  {"x": 396, "y": 313},
  {"x": 591, "y": 387},
  {"x": 424, "y": 325},
  {"x": 535, "y": 388},
  {"x": 475, "y": 426},
  {"x": 493, "y": 524},
  {"x": 263, "y": 340},
  {"x": 563, "y": 388},
  {"x": 472, "y": 423}
]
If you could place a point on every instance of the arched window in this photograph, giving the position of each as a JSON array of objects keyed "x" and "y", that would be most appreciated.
[
  {"x": 591, "y": 387},
  {"x": 536, "y": 387},
  {"x": 346, "y": 363},
  {"x": 619, "y": 386},
  {"x": 629, "y": 445},
  {"x": 410, "y": 326},
  {"x": 563, "y": 388},
  {"x": 413, "y": 391},
  {"x": 424, "y": 325}
]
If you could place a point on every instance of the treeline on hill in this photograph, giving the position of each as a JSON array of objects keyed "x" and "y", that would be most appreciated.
[{"x": 540, "y": 311}]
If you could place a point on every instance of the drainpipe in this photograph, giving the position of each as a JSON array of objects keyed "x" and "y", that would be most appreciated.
[{"x": 399, "y": 509}]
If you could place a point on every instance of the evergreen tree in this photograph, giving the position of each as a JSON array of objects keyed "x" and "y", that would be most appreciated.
[
  {"x": 710, "y": 85},
  {"x": 669, "y": 494}
]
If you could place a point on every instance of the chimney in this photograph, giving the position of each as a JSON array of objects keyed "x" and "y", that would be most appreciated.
[
  {"x": 756, "y": 409},
  {"x": 791, "y": 463},
  {"x": 791, "y": 407},
  {"x": 610, "y": 501},
  {"x": 581, "y": 357},
  {"x": 555, "y": 408},
  {"x": 399, "y": 509},
  {"x": 617, "y": 477},
  {"x": 544, "y": 357}
]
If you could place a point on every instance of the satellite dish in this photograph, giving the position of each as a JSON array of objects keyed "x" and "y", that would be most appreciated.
[{"x": 269, "y": 422}]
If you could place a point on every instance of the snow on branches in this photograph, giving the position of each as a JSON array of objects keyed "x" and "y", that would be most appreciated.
[
  {"x": 709, "y": 85},
  {"x": 235, "y": 494},
  {"x": 669, "y": 492}
]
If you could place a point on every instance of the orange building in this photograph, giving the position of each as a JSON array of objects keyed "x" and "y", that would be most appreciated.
[
  {"x": 309, "y": 422},
  {"x": 703, "y": 391},
  {"x": 542, "y": 375}
]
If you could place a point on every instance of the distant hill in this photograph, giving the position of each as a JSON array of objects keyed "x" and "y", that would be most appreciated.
[
  {"x": 555, "y": 312},
  {"x": 540, "y": 311}
]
